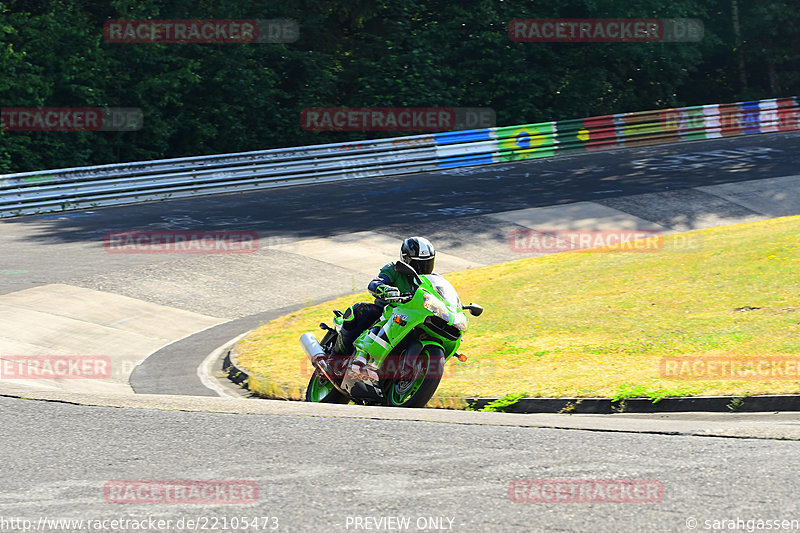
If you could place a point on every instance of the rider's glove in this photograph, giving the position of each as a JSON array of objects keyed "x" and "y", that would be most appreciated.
[{"x": 387, "y": 291}]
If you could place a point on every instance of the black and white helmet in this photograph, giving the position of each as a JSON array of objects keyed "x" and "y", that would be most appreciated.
[{"x": 419, "y": 253}]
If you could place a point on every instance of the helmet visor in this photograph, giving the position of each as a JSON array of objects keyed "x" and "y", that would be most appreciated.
[{"x": 422, "y": 266}]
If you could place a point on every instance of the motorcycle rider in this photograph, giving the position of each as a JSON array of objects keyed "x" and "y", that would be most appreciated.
[{"x": 417, "y": 252}]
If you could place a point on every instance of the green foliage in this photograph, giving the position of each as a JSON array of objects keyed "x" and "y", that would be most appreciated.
[
  {"x": 626, "y": 391},
  {"x": 216, "y": 98},
  {"x": 738, "y": 401},
  {"x": 504, "y": 404},
  {"x": 570, "y": 407}
]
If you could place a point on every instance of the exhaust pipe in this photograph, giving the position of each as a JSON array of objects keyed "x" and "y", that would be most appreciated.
[
  {"x": 316, "y": 355},
  {"x": 311, "y": 346}
]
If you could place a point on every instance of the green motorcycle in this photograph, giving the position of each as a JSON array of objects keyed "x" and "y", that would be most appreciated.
[{"x": 399, "y": 361}]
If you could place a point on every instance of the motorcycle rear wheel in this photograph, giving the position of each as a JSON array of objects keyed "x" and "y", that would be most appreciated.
[{"x": 321, "y": 390}]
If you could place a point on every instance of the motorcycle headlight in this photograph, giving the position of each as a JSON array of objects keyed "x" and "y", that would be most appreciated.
[
  {"x": 460, "y": 321},
  {"x": 436, "y": 307}
]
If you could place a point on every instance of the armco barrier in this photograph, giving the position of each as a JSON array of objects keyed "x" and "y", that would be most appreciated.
[
  {"x": 126, "y": 183},
  {"x": 514, "y": 143}
]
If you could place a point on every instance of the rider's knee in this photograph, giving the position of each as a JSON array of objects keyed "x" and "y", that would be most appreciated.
[
  {"x": 349, "y": 318},
  {"x": 360, "y": 315}
]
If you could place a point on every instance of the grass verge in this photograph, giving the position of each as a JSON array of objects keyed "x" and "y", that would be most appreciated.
[{"x": 599, "y": 323}]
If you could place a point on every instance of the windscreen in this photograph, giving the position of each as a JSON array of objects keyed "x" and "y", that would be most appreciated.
[{"x": 445, "y": 289}]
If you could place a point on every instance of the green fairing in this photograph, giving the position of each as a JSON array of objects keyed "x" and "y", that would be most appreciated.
[{"x": 414, "y": 313}]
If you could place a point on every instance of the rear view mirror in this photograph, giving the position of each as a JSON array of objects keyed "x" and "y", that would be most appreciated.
[
  {"x": 474, "y": 309},
  {"x": 404, "y": 268},
  {"x": 407, "y": 270}
]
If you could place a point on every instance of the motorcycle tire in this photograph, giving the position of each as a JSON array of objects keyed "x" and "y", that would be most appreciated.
[
  {"x": 417, "y": 391},
  {"x": 321, "y": 390}
]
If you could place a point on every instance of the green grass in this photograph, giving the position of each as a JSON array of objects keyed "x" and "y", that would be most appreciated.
[{"x": 597, "y": 324}]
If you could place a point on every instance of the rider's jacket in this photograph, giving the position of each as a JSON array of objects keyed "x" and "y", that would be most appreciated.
[
  {"x": 360, "y": 316},
  {"x": 389, "y": 276}
]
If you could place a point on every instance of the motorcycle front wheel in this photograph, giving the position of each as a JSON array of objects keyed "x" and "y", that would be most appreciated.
[
  {"x": 321, "y": 390},
  {"x": 417, "y": 388}
]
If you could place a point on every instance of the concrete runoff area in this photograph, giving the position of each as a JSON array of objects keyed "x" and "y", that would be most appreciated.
[
  {"x": 577, "y": 216},
  {"x": 574, "y": 226},
  {"x": 44, "y": 326},
  {"x": 771, "y": 197},
  {"x": 685, "y": 210},
  {"x": 363, "y": 250}
]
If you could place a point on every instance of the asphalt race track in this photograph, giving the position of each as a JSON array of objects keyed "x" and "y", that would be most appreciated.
[
  {"x": 324, "y": 470},
  {"x": 413, "y": 201},
  {"x": 315, "y": 473}
]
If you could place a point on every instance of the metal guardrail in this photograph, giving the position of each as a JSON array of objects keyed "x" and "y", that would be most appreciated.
[
  {"x": 85, "y": 187},
  {"x": 513, "y": 143}
]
